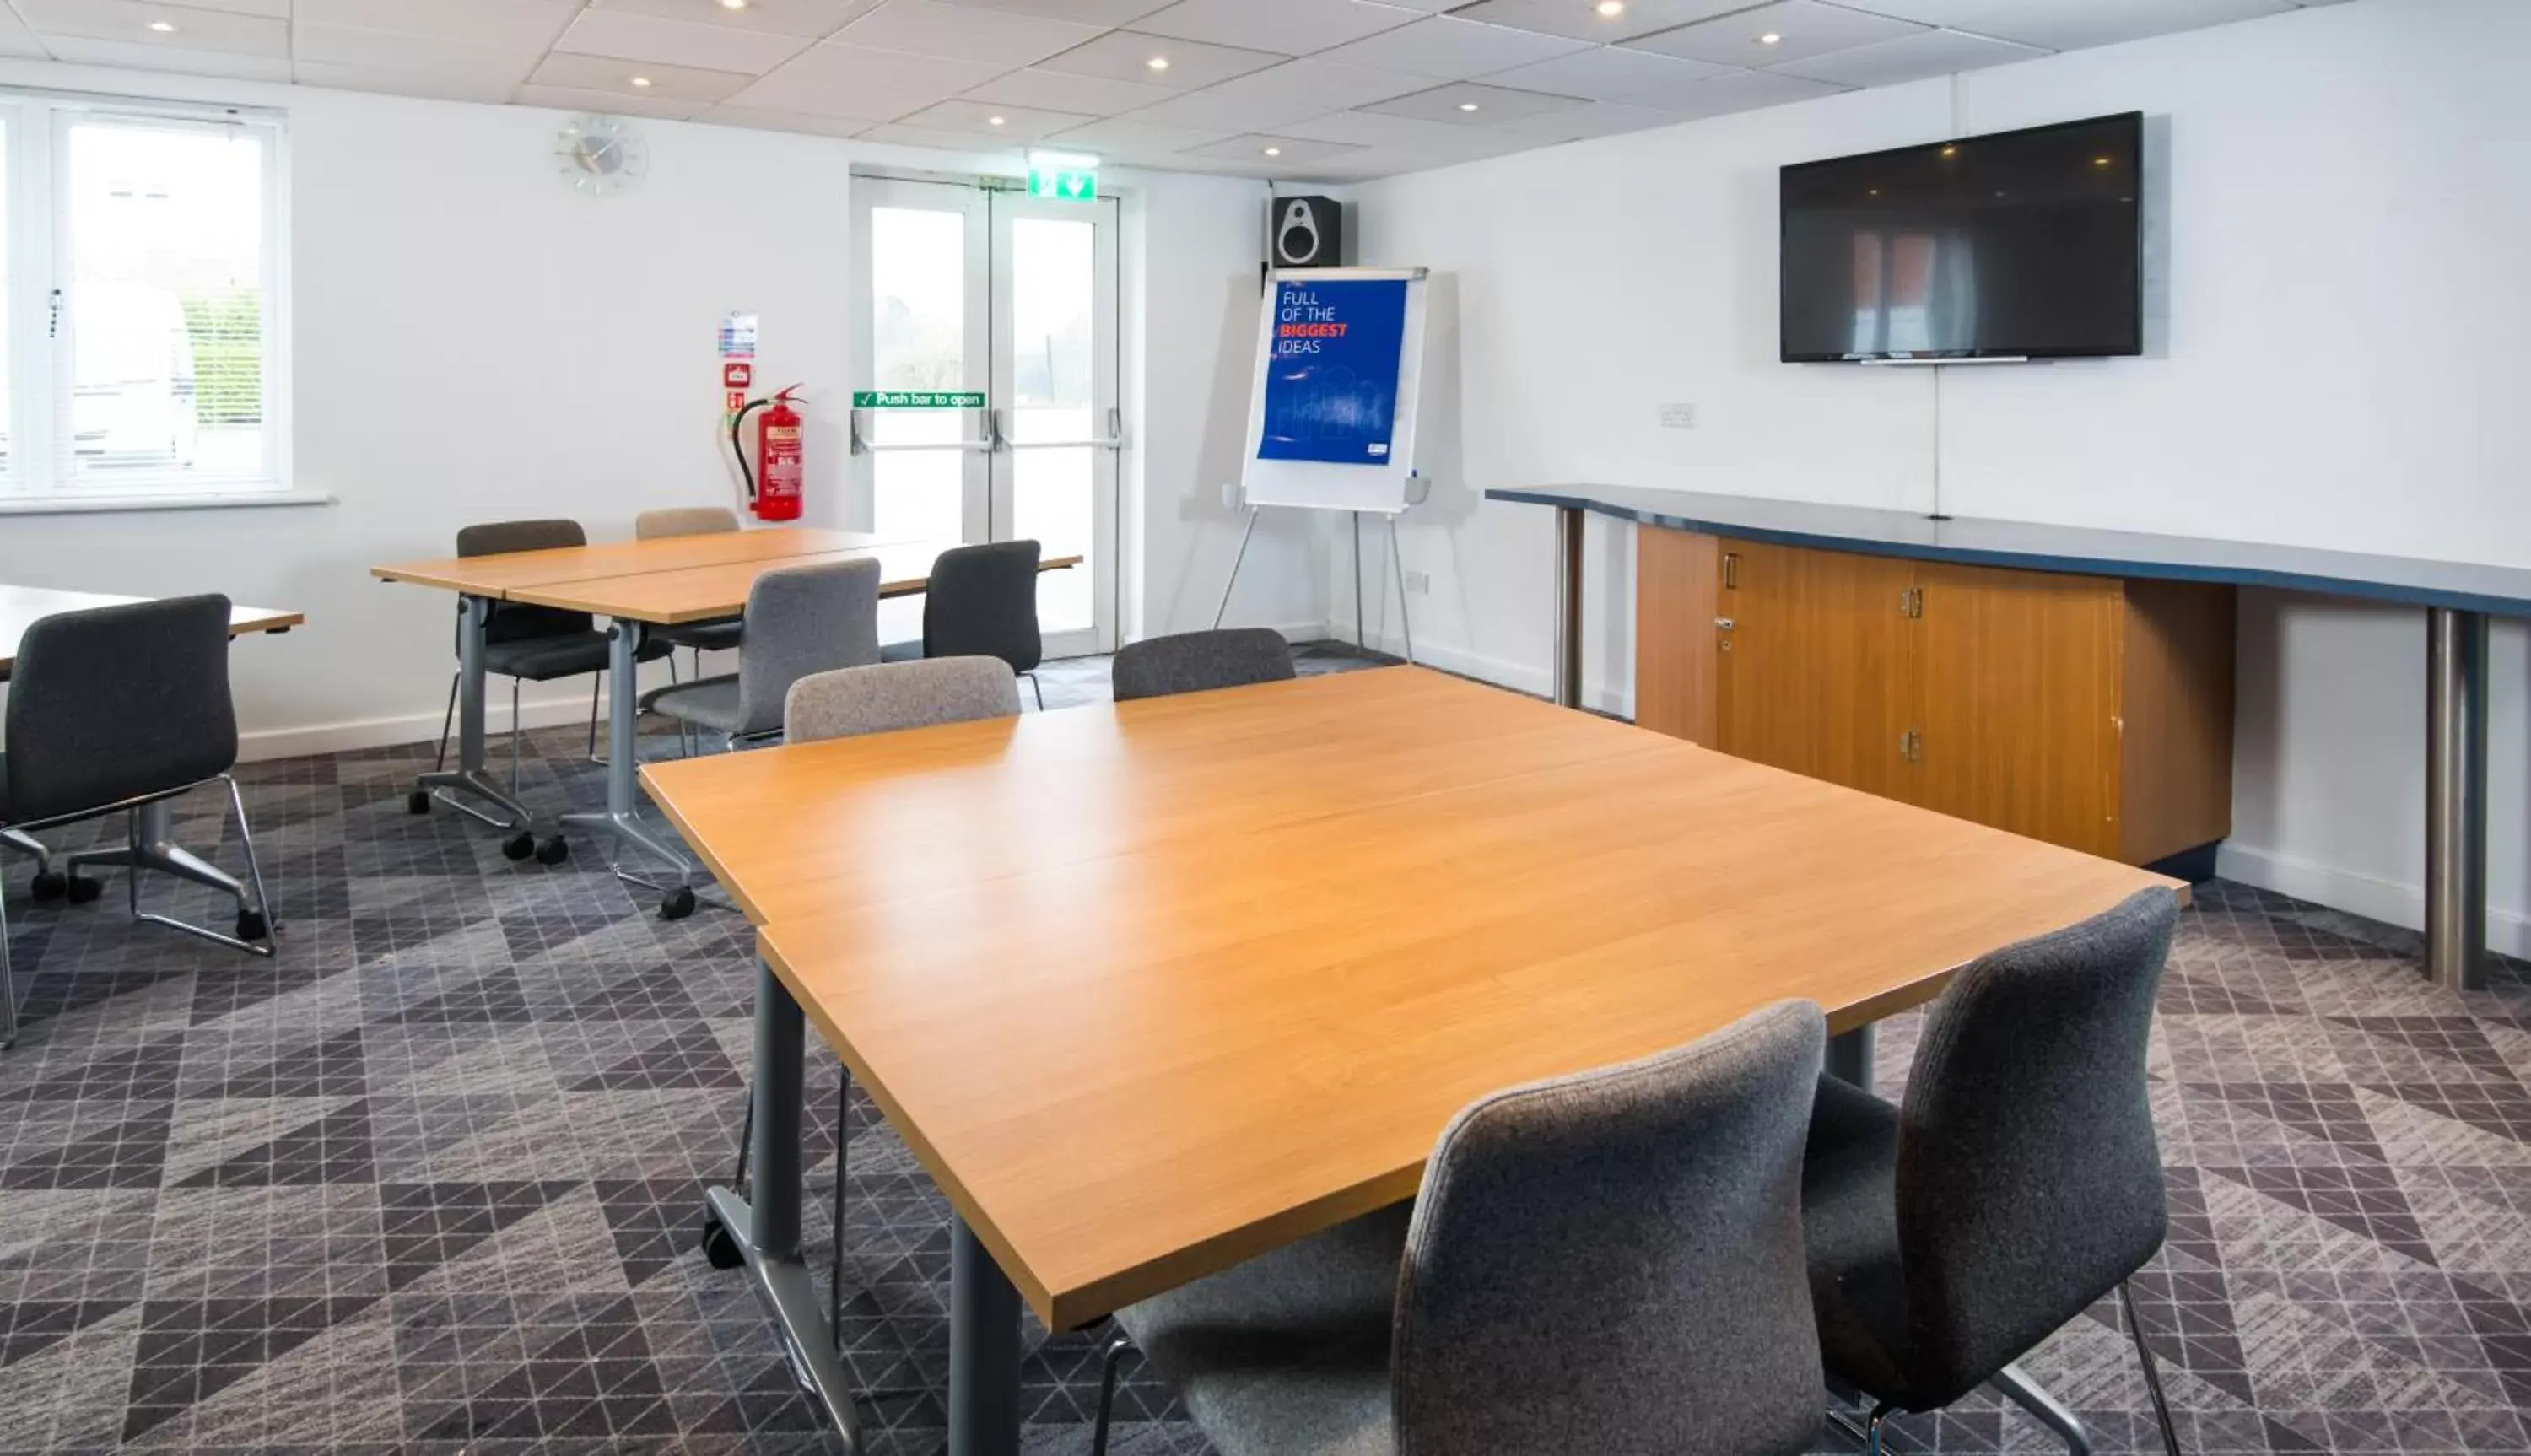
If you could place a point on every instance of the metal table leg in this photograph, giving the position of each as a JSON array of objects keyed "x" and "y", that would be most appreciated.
[
  {"x": 1568, "y": 606},
  {"x": 771, "y": 1238},
  {"x": 2457, "y": 799},
  {"x": 1849, "y": 1056},
  {"x": 984, "y": 1351},
  {"x": 468, "y": 776},
  {"x": 622, "y": 817}
]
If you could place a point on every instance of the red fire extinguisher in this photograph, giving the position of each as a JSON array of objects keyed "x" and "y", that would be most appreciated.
[{"x": 773, "y": 481}]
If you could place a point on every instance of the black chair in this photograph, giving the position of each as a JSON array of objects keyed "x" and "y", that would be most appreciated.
[
  {"x": 982, "y": 602},
  {"x": 535, "y": 644},
  {"x": 1201, "y": 661},
  {"x": 114, "y": 708},
  {"x": 2019, "y": 1183}
]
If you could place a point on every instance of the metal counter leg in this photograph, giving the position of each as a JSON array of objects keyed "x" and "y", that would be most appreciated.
[
  {"x": 1568, "y": 606},
  {"x": 984, "y": 1351},
  {"x": 1850, "y": 1053},
  {"x": 2457, "y": 799},
  {"x": 771, "y": 1224},
  {"x": 468, "y": 778},
  {"x": 622, "y": 817}
]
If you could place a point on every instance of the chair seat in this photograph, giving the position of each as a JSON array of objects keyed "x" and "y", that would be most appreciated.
[
  {"x": 569, "y": 654},
  {"x": 709, "y": 637},
  {"x": 1850, "y": 1231},
  {"x": 711, "y": 702},
  {"x": 1287, "y": 1352},
  {"x": 901, "y": 652}
]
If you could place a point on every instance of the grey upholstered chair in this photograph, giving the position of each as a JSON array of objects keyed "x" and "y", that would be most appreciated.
[
  {"x": 803, "y": 620},
  {"x": 1607, "y": 1262},
  {"x": 2019, "y": 1183},
  {"x": 534, "y": 643},
  {"x": 113, "y": 708},
  {"x": 982, "y": 602},
  {"x": 675, "y": 520},
  {"x": 1201, "y": 661},
  {"x": 847, "y": 704}
]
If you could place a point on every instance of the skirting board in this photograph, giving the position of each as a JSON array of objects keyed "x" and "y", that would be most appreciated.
[
  {"x": 1597, "y": 694},
  {"x": 2509, "y": 932}
]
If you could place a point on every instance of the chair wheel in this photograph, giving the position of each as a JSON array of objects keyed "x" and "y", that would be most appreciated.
[
  {"x": 520, "y": 845},
  {"x": 80, "y": 889},
  {"x": 418, "y": 802},
  {"x": 49, "y": 884},
  {"x": 677, "y": 904},
  {"x": 553, "y": 851},
  {"x": 250, "y": 925},
  {"x": 719, "y": 1244}
]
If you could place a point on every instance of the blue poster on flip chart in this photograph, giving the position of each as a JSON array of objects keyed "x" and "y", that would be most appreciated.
[{"x": 1331, "y": 380}]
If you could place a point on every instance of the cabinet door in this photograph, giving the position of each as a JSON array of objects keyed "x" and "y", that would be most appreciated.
[
  {"x": 1814, "y": 672},
  {"x": 2019, "y": 701},
  {"x": 1676, "y": 583}
]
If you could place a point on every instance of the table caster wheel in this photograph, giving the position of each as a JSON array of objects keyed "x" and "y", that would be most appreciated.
[
  {"x": 553, "y": 851},
  {"x": 719, "y": 1244},
  {"x": 677, "y": 904},
  {"x": 418, "y": 802},
  {"x": 49, "y": 884},
  {"x": 250, "y": 925},
  {"x": 80, "y": 889},
  {"x": 520, "y": 845}
]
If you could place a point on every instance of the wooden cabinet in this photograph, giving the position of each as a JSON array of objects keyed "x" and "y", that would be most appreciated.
[{"x": 2088, "y": 711}]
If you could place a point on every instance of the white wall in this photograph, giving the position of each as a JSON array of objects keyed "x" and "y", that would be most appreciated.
[
  {"x": 475, "y": 341},
  {"x": 2335, "y": 361}
]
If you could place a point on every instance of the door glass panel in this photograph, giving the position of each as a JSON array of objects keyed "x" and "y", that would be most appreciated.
[
  {"x": 1053, "y": 333},
  {"x": 918, "y": 338}
]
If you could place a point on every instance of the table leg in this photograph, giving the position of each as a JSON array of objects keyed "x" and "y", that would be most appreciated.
[
  {"x": 1849, "y": 1056},
  {"x": 622, "y": 817},
  {"x": 2457, "y": 799},
  {"x": 984, "y": 1351},
  {"x": 153, "y": 847},
  {"x": 468, "y": 776},
  {"x": 768, "y": 1230},
  {"x": 1568, "y": 606}
]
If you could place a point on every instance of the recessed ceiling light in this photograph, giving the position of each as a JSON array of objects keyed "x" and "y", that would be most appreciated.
[
  {"x": 1466, "y": 106},
  {"x": 996, "y": 121},
  {"x": 1273, "y": 152},
  {"x": 1770, "y": 39},
  {"x": 642, "y": 81},
  {"x": 1158, "y": 62},
  {"x": 733, "y": 4},
  {"x": 162, "y": 27},
  {"x": 1610, "y": 9}
]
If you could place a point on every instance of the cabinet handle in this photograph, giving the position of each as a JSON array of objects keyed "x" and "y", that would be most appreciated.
[{"x": 1730, "y": 571}]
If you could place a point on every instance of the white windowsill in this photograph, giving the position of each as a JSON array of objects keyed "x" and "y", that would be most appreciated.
[{"x": 208, "y": 500}]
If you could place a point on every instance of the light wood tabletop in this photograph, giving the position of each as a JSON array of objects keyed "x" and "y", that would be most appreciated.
[
  {"x": 497, "y": 575},
  {"x": 1153, "y": 988},
  {"x": 22, "y": 606},
  {"x": 702, "y": 594}
]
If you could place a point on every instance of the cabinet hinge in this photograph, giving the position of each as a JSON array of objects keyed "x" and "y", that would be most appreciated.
[
  {"x": 1911, "y": 746},
  {"x": 1911, "y": 603}
]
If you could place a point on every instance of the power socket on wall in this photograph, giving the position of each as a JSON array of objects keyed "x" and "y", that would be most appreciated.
[
  {"x": 1419, "y": 583},
  {"x": 1678, "y": 417}
]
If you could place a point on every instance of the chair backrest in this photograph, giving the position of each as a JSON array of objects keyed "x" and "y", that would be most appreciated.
[
  {"x": 983, "y": 603},
  {"x": 801, "y": 621},
  {"x": 1612, "y": 1261},
  {"x": 1201, "y": 661},
  {"x": 2029, "y": 1181},
  {"x": 115, "y": 702},
  {"x": 899, "y": 694},
  {"x": 512, "y": 622},
  {"x": 651, "y": 526}
]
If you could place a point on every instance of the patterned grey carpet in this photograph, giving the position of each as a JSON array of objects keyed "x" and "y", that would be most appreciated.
[{"x": 427, "y": 1181}]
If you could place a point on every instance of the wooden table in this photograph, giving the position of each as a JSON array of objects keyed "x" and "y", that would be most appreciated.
[
  {"x": 636, "y": 586},
  {"x": 20, "y": 607},
  {"x": 1153, "y": 988}
]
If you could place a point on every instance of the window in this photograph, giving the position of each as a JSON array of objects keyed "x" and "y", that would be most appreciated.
[{"x": 143, "y": 352}]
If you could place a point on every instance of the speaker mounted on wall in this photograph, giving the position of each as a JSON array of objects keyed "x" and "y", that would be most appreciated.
[{"x": 1308, "y": 233}]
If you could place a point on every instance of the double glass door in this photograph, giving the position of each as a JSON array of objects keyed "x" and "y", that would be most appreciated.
[{"x": 976, "y": 293}]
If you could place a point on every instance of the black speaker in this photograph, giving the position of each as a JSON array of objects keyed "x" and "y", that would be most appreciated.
[{"x": 1307, "y": 231}]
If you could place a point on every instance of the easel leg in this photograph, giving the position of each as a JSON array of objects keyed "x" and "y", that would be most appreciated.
[
  {"x": 1217, "y": 612},
  {"x": 1397, "y": 564},
  {"x": 1360, "y": 642}
]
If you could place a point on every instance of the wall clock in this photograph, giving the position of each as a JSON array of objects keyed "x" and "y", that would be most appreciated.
[{"x": 599, "y": 154}]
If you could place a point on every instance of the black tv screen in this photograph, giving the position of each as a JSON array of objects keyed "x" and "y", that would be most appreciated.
[{"x": 2020, "y": 244}]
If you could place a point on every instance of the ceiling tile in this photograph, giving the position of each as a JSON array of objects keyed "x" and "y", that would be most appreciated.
[
  {"x": 1265, "y": 101},
  {"x": 1914, "y": 57},
  {"x": 1802, "y": 29},
  {"x": 1611, "y": 74},
  {"x": 1053, "y": 91},
  {"x": 1265, "y": 150},
  {"x": 16, "y": 39},
  {"x": 1466, "y": 103},
  {"x": 226, "y": 65},
  {"x": 1582, "y": 20},
  {"x": 1087, "y": 12},
  {"x": 608, "y": 103},
  {"x": 2059, "y": 26},
  {"x": 1015, "y": 123},
  {"x": 1292, "y": 26},
  {"x": 758, "y": 119},
  {"x": 873, "y": 85},
  {"x": 935, "y": 137},
  {"x": 497, "y": 23},
  {"x": 813, "y": 18},
  {"x": 1447, "y": 48},
  {"x": 438, "y": 85},
  {"x": 1128, "y": 138},
  {"x": 1747, "y": 91},
  {"x": 927, "y": 27},
  {"x": 387, "y": 50},
  {"x": 1127, "y": 55},
  {"x": 1593, "y": 118},
  {"x": 130, "y": 22},
  {"x": 278, "y": 10},
  {"x": 666, "y": 82},
  {"x": 630, "y": 36}
]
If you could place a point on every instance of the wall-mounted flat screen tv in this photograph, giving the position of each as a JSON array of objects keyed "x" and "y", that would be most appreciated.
[{"x": 2020, "y": 245}]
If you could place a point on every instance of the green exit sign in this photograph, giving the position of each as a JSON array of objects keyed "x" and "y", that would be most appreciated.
[{"x": 1068, "y": 185}]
